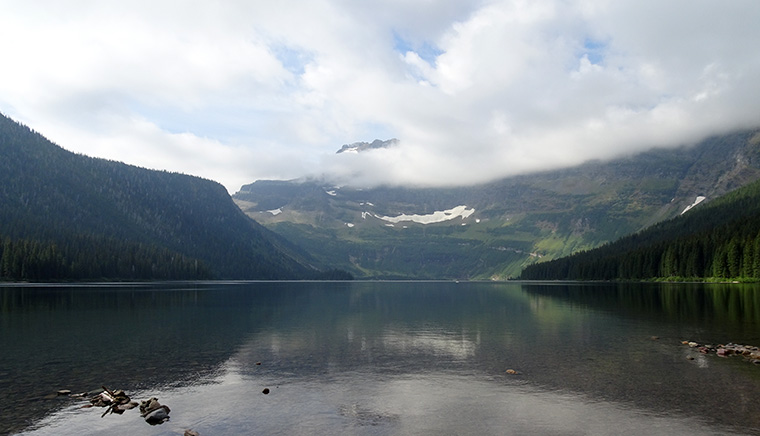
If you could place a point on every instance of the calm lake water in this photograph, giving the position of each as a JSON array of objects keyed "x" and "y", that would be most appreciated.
[{"x": 381, "y": 358}]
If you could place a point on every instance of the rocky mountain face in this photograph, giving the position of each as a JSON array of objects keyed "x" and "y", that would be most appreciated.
[
  {"x": 358, "y": 147},
  {"x": 494, "y": 230}
]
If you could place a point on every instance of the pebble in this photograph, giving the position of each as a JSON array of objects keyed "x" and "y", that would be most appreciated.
[{"x": 511, "y": 371}]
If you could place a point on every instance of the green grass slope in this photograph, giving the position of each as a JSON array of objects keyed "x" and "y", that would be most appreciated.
[{"x": 720, "y": 240}]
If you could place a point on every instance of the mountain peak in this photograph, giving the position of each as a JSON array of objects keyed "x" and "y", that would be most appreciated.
[{"x": 358, "y": 147}]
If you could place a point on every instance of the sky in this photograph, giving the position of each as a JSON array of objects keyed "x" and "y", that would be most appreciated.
[{"x": 475, "y": 90}]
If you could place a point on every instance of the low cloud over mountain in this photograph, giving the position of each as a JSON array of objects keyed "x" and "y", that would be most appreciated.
[{"x": 474, "y": 90}]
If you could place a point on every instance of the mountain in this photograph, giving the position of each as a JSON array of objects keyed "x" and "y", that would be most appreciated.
[
  {"x": 358, "y": 147},
  {"x": 89, "y": 218},
  {"x": 494, "y": 230},
  {"x": 720, "y": 240}
]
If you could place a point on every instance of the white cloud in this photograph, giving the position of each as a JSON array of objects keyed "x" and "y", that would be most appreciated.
[{"x": 237, "y": 91}]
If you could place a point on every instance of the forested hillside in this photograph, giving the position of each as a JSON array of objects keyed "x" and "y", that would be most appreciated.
[
  {"x": 69, "y": 216},
  {"x": 90, "y": 257},
  {"x": 719, "y": 240}
]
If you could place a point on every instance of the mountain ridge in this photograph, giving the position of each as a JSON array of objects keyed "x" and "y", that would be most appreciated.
[
  {"x": 359, "y": 147},
  {"x": 52, "y": 196},
  {"x": 516, "y": 220}
]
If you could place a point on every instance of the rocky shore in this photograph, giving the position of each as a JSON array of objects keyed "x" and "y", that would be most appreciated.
[
  {"x": 748, "y": 352},
  {"x": 118, "y": 402}
]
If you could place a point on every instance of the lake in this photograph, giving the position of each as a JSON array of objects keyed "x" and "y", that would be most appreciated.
[{"x": 381, "y": 358}]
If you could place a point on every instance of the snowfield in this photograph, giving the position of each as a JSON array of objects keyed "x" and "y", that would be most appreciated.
[
  {"x": 698, "y": 200},
  {"x": 435, "y": 217}
]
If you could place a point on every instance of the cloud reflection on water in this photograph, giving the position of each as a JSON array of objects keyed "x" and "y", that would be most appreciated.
[
  {"x": 378, "y": 358},
  {"x": 362, "y": 403}
]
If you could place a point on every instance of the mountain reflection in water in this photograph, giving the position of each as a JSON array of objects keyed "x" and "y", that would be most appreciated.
[{"x": 382, "y": 358}]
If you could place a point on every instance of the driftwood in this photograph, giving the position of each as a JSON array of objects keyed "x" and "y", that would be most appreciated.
[{"x": 115, "y": 402}]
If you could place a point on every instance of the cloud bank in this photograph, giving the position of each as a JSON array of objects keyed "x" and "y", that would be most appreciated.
[{"x": 237, "y": 91}]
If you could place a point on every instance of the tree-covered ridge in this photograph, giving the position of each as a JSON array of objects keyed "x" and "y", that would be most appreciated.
[
  {"x": 718, "y": 240},
  {"x": 53, "y": 197}
]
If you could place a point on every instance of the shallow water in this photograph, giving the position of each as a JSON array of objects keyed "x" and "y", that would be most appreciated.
[{"x": 381, "y": 358}]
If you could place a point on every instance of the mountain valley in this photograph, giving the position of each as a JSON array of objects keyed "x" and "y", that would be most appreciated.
[{"x": 494, "y": 230}]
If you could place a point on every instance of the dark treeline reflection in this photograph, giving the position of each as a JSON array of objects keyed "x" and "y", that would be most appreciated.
[
  {"x": 125, "y": 337},
  {"x": 720, "y": 310},
  {"x": 594, "y": 340}
]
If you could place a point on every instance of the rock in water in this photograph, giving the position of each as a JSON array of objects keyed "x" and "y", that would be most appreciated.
[
  {"x": 158, "y": 416},
  {"x": 153, "y": 412}
]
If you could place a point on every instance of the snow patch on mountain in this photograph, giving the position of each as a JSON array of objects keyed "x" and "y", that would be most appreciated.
[
  {"x": 435, "y": 217},
  {"x": 698, "y": 200}
]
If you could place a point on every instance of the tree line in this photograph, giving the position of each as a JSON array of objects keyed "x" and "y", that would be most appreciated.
[{"x": 94, "y": 258}]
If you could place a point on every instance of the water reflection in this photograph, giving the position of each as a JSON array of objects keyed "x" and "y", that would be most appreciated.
[
  {"x": 720, "y": 312},
  {"x": 127, "y": 337},
  {"x": 386, "y": 358},
  {"x": 442, "y": 345}
]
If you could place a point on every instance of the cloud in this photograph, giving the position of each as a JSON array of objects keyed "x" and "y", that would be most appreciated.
[{"x": 237, "y": 91}]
